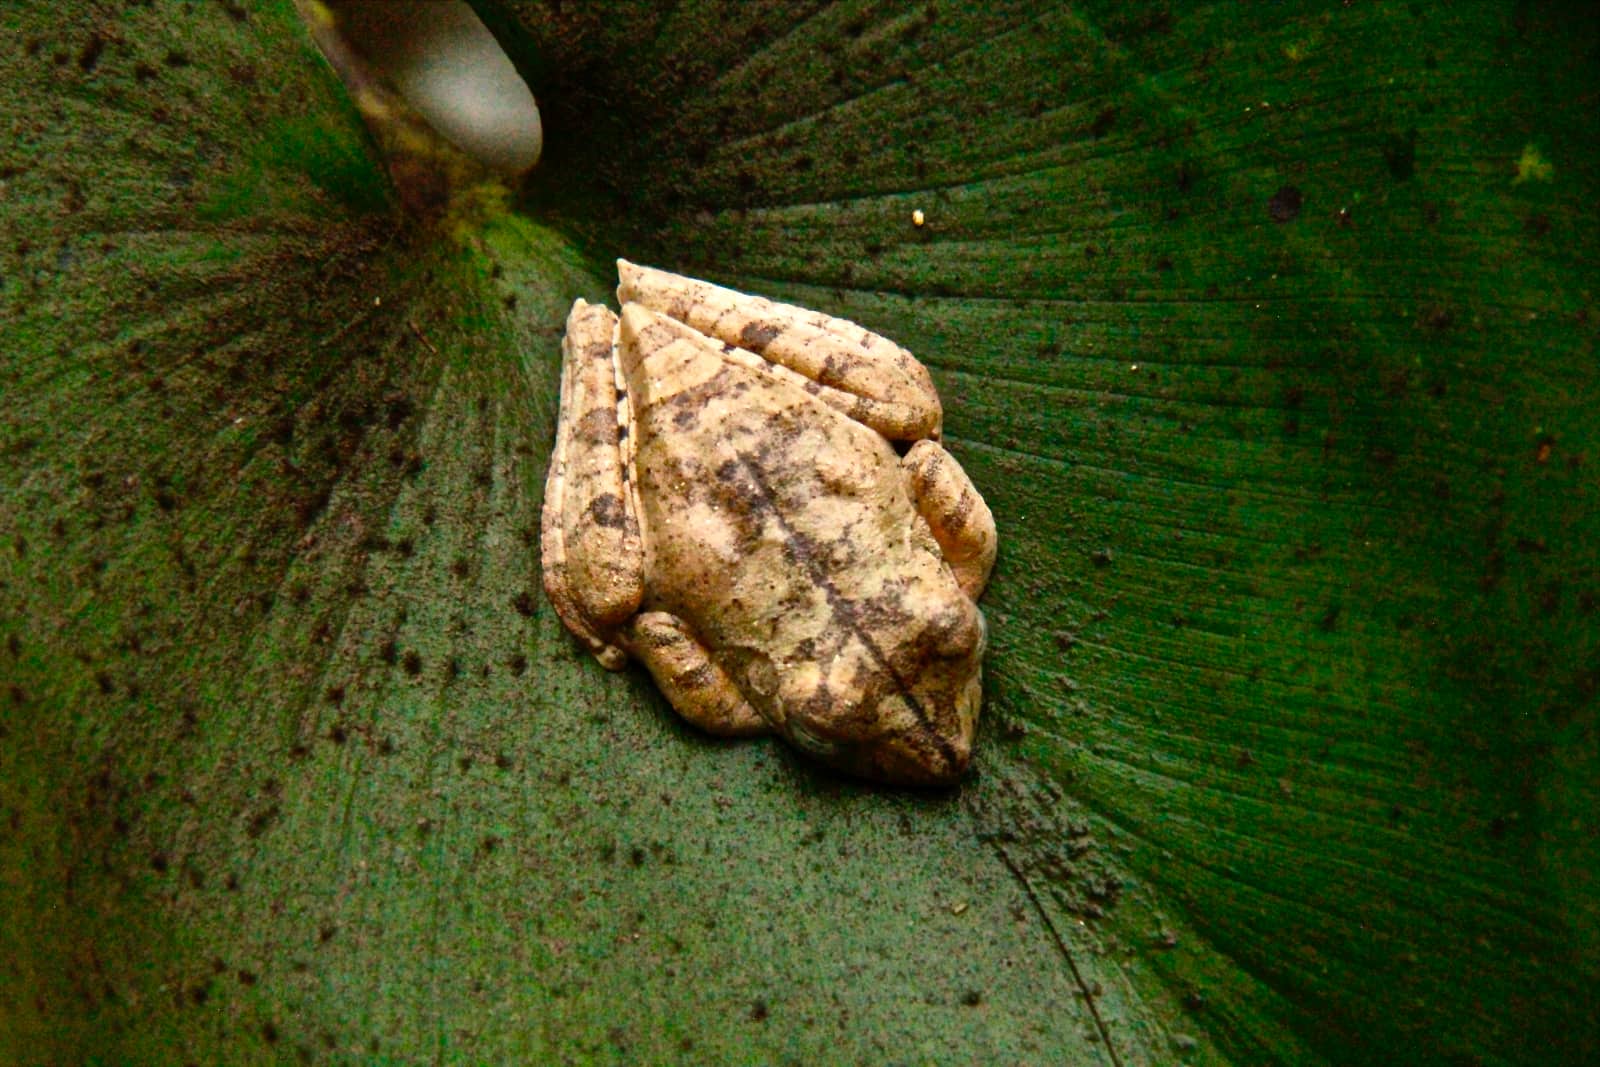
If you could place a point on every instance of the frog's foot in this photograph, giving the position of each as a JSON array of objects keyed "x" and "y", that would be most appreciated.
[
  {"x": 589, "y": 530},
  {"x": 961, "y": 522},
  {"x": 697, "y": 688},
  {"x": 850, "y": 368}
]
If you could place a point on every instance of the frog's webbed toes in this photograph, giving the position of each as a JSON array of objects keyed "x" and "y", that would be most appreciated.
[
  {"x": 693, "y": 683},
  {"x": 956, "y": 514}
]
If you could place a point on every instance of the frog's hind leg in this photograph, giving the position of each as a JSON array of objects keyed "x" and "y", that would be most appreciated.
[
  {"x": 689, "y": 678},
  {"x": 961, "y": 522},
  {"x": 846, "y": 366},
  {"x": 593, "y": 559}
]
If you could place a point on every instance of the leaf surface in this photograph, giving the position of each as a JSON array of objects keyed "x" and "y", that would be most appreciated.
[{"x": 1267, "y": 334}]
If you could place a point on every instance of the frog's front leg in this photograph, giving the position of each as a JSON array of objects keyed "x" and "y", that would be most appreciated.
[
  {"x": 693, "y": 683},
  {"x": 961, "y": 522},
  {"x": 850, "y": 368},
  {"x": 593, "y": 560}
]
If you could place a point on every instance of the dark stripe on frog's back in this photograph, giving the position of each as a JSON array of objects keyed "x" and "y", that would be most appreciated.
[
  {"x": 764, "y": 417},
  {"x": 766, "y": 494}
]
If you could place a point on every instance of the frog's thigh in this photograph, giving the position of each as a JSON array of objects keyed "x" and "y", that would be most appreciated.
[
  {"x": 692, "y": 682},
  {"x": 864, "y": 375},
  {"x": 961, "y": 522},
  {"x": 589, "y": 534}
]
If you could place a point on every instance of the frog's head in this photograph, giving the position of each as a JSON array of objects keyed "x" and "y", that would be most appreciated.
[{"x": 902, "y": 712}]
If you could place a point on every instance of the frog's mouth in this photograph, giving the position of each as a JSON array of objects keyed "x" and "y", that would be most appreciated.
[{"x": 904, "y": 759}]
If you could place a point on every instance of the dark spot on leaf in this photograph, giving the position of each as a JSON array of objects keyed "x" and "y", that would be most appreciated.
[
  {"x": 176, "y": 59},
  {"x": 1284, "y": 205},
  {"x": 159, "y": 863},
  {"x": 388, "y": 651},
  {"x": 269, "y": 1033},
  {"x": 411, "y": 663},
  {"x": 759, "y": 1012},
  {"x": 262, "y": 821},
  {"x": 518, "y": 664},
  {"x": 1103, "y": 123},
  {"x": 972, "y": 998},
  {"x": 523, "y": 602},
  {"x": 397, "y": 409},
  {"x": 1101, "y": 557},
  {"x": 335, "y": 695},
  {"x": 1400, "y": 154},
  {"x": 325, "y": 934},
  {"x": 247, "y": 978},
  {"x": 89, "y": 57},
  {"x": 636, "y": 856},
  {"x": 502, "y": 762}
]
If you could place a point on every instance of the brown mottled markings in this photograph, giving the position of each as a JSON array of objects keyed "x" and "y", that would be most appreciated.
[
  {"x": 831, "y": 373},
  {"x": 697, "y": 678},
  {"x": 805, "y": 554},
  {"x": 606, "y": 510},
  {"x": 756, "y": 336},
  {"x": 598, "y": 427},
  {"x": 956, "y": 517}
]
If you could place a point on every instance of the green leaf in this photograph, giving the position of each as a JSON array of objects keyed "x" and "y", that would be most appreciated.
[{"x": 1267, "y": 331}]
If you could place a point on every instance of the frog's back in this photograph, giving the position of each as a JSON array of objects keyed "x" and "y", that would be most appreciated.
[
  {"x": 783, "y": 534},
  {"x": 766, "y": 513}
]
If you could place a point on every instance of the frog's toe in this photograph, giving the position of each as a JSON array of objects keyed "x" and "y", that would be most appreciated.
[{"x": 693, "y": 683}]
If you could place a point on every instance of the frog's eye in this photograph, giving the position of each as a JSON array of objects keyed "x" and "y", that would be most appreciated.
[{"x": 804, "y": 739}]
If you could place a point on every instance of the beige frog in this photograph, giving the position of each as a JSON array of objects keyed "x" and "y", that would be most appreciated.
[{"x": 724, "y": 504}]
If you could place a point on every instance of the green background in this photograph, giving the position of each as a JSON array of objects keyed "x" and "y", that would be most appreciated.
[{"x": 1268, "y": 332}]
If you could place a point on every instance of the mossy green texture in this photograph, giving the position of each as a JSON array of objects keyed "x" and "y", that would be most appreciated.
[{"x": 1268, "y": 332}]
